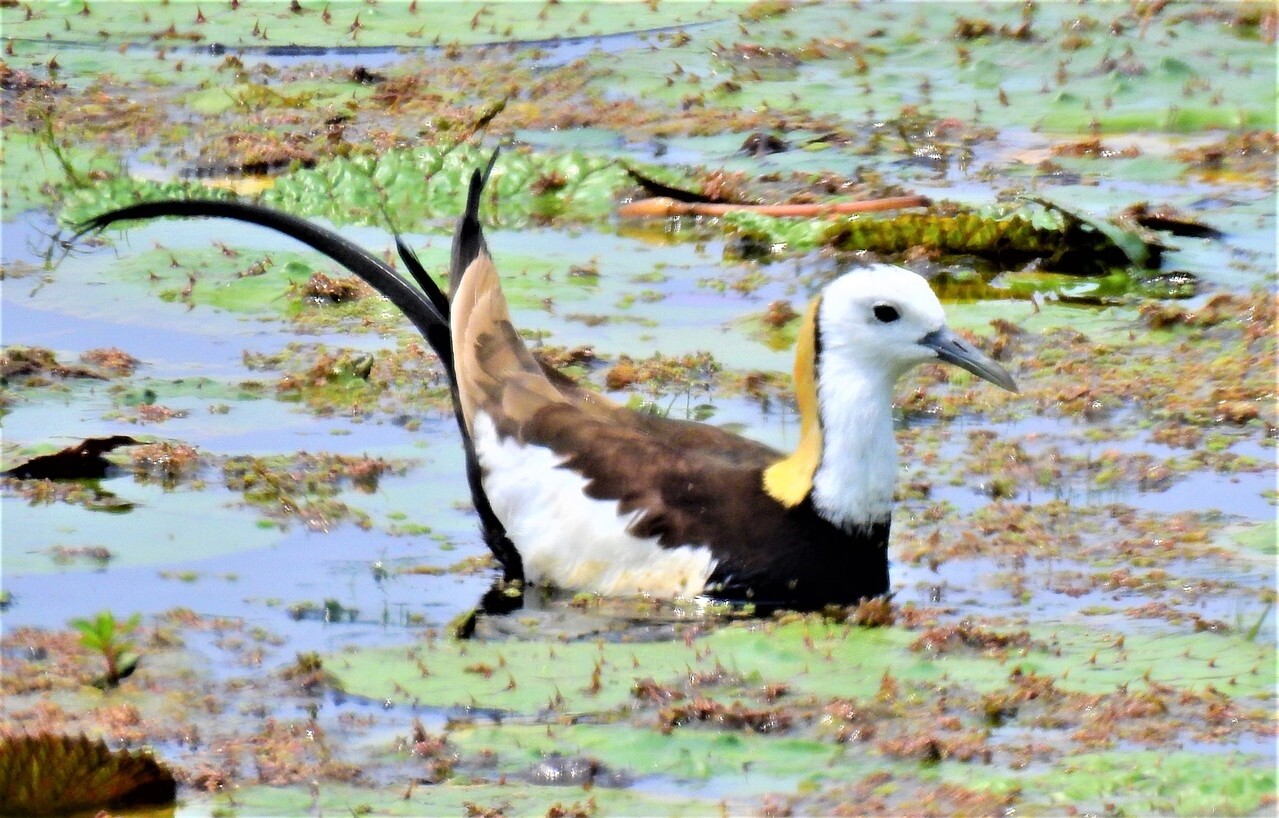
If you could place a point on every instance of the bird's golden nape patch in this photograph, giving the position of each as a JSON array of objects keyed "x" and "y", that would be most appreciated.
[{"x": 789, "y": 480}]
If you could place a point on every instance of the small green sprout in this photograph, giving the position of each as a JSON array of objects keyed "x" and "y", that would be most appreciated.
[{"x": 108, "y": 636}]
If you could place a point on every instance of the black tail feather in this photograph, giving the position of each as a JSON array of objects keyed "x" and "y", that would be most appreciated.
[
  {"x": 468, "y": 238},
  {"x": 424, "y": 312},
  {"x": 423, "y": 279},
  {"x": 428, "y": 309},
  {"x": 468, "y": 243}
]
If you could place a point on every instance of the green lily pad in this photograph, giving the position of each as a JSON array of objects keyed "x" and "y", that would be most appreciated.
[
  {"x": 515, "y": 798},
  {"x": 1100, "y": 323},
  {"x": 117, "y": 191},
  {"x": 681, "y": 755},
  {"x": 267, "y": 24},
  {"x": 1144, "y": 782},
  {"x": 1075, "y": 71},
  {"x": 406, "y": 186},
  {"x": 1262, "y": 538},
  {"x": 247, "y": 283},
  {"x": 33, "y": 169},
  {"x": 812, "y": 658},
  {"x": 571, "y": 185}
]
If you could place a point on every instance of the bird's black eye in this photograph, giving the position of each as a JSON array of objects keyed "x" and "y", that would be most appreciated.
[{"x": 886, "y": 313}]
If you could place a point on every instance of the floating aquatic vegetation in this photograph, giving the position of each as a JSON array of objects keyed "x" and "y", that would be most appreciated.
[
  {"x": 305, "y": 487},
  {"x": 164, "y": 461},
  {"x": 120, "y": 190},
  {"x": 426, "y": 183},
  {"x": 322, "y": 288},
  {"x": 1254, "y": 314},
  {"x": 85, "y": 493},
  {"x": 660, "y": 375},
  {"x": 1170, "y": 783},
  {"x": 34, "y": 365},
  {"x": 811, "y": 659},
  {"x": 1054, "y": 239},
  {"x": 302, "y": 28},
  {"x": 249, "y": 154},
  {"x": 920, "y": 694},
  {"x": 1087, "y": 500},
  {"x": 406, "y": 383},
  {"x": 400, "y": 189},
  {"x": 109, "y": 637}
]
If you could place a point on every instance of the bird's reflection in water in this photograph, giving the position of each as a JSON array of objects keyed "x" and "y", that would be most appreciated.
[{"x": 506, "y": 613}]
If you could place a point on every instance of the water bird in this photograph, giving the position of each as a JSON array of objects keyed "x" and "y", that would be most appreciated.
[{"x": 576, "y": 491}]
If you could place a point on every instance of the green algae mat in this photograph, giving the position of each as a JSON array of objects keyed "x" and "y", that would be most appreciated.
[{"x": 1082, "y": 619}]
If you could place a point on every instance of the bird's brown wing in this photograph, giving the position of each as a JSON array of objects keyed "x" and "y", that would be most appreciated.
[
  {"x": 686, "y": 484},
  {"x": 497, "y": 374},
  {"x": 630, "y": 456}
]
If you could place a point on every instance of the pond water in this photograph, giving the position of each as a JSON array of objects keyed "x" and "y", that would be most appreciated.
[{"x": 1083, "y": 574}]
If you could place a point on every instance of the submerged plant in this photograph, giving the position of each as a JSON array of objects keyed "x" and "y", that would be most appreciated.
[
  {"x": 48, "y": 139},
  {"x": 109, "y": 637}
]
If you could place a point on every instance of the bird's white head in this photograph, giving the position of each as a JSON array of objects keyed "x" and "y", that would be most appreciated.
[
  {"x": 872, "y": 325},
  {"x": 880, "y": 321},
  {"x": 864, "y": 332}
]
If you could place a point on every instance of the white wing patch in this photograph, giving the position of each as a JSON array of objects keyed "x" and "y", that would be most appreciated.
[{"x": 570, "y": 540}]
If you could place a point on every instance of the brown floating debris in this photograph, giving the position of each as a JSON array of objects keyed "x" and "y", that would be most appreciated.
[
  {"x": 661, "y": 207},
  {"x": 36, "y": 362},
  {"x": 762, "y": 144},
  {"x": 1168, "y": 219},
  {"x": 115, "y": 361},
  {"x": 335, "y": 290}
]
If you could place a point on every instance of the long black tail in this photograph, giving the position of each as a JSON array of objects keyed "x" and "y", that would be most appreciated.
[
  {"x": 468, "y": 243},
  {"x": 468, "y": 237},
  {"x": 428, "y": 312},
  {"x": 427, "y": 308}
]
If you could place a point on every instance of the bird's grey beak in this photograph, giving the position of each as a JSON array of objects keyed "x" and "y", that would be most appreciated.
[{"x": 955, "y": 350}]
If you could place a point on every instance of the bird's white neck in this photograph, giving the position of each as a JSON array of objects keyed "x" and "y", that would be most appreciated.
[{"x": 853, "y": 485}]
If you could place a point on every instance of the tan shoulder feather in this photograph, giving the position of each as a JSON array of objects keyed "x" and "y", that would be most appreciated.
[{"x": 495, "y": 370}]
